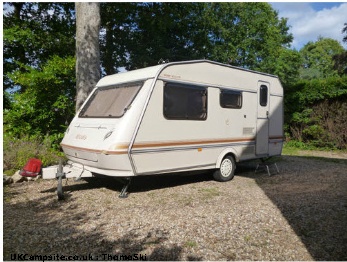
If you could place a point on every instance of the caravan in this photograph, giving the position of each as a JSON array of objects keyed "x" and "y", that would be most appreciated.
[{"x": 175, "y": 117}]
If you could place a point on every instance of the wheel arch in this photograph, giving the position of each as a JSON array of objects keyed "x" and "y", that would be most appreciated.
[{"x": 226, "y": 152}]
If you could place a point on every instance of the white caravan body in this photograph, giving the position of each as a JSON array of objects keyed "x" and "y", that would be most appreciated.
[{"x": 176, "y": 117}]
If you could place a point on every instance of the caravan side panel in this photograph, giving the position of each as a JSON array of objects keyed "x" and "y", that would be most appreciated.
[{"x": 165, "y": 145}]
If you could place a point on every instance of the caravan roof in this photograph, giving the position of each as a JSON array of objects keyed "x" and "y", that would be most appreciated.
[{"x": 153, "y": 71}]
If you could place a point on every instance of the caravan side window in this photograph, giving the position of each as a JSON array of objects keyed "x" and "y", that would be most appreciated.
[
  {"x": 263, "y": 95},
  {"x": 186, "y": 102},
  {"x": 230, "y": 99}
]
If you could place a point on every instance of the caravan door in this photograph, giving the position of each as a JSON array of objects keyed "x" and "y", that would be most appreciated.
[{"x": 262, "y": 137}]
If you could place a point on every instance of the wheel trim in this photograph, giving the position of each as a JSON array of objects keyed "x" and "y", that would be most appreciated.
[{"x": 226, "y": 167}]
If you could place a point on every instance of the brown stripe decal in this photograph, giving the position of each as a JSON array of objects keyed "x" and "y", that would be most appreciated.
[{"x": 191, "y": 142}]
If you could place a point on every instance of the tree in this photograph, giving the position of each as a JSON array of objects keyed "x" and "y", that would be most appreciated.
[
  {"x": 246, "y": 34},
  {"x": 88, "y": 70},
  {"x": 249, "y": 35},
  {"x": 116, "y": 26},
  {"x": 33, "y": 33},
  {"x": 318, "y": 58},
  {"x": 162, "y": 32},
  {"x": 45, "y": 105},
  {"x": 340, "y": 60},
  {"x": 286, "y": 66},
  {"x": 39, "y": 85}
]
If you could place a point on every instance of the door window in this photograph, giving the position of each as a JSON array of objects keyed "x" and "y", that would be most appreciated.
[{"x": 263, "y": 95}]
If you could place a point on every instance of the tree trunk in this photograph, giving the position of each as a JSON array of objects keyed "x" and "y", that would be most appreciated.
[{"x": 87, "y": 49}]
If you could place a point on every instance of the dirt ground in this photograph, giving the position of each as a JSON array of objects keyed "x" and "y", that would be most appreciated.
[{"x": 298, "y": 214}]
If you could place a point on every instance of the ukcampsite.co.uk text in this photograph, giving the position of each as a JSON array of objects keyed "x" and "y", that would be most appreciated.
[{"x": 57, "y": 257}]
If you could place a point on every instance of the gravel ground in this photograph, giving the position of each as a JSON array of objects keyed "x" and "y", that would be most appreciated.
[{"x": 299, "y": 214}]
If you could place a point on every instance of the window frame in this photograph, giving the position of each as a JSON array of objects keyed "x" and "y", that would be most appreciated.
[
  {"x": 230, "y": 91},
  {"x": 186, "y": 86}
]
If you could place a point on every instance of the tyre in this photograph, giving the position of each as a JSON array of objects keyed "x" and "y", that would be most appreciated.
[{"x": 226, "y": 171}]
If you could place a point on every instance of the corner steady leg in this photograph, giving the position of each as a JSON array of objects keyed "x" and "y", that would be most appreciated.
[
  {"x": 266, "y": 166},
  {"x": 124, "y": 193}
]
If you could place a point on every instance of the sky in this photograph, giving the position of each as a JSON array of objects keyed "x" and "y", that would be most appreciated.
[{"x": 310, "y": 20}]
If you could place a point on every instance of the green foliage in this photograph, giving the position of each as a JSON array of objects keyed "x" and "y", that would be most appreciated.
[
  {"x": 47, "y": 104},
  {"x": 340, "y": 63},
  {"x": 33, "y": 32},
  {"x": 316, "y": 112},
  {"x": 318, "y": 58},
  {"x": 246, "y": 34},
  {"x": 304, "y": 93},
  {"x": 17, "y": 151},
  {"x": 39, "y": 69},
  {"x": 315, "y": 107},
  {"x": 285, "y": 64},
  {"x": 249, "y": 34}
]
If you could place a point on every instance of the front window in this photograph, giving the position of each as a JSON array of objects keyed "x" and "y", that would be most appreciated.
[{"x": 111, "y": 101}]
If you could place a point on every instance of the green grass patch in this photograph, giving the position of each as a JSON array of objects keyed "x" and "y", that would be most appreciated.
[
  {"x": 292, "y": 147},
  {"x": 209, "y": 192},
  {"x": 190, "y": 244}
]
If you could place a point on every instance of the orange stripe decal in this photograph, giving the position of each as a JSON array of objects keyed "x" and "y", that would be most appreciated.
[{"x": 106, "y": 152}]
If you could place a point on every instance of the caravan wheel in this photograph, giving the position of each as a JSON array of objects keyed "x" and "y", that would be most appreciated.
[{"x": 226, "y": 171}]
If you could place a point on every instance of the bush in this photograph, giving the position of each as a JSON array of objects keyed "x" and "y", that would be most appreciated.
[
  {"x": 18, "y": 151},
  {"x": 316, "y": 112}
]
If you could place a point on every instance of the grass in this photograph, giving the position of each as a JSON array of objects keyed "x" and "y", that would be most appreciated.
[
  {"x": 293, "y": 147},
  {"x": 209, "y": 192},
  {"x": 6, "y": 193},
  {"x": 190, "y": 244},
  {"x": 289, "y": 150}
]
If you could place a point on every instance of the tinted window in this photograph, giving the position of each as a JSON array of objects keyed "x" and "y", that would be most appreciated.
[
  {"x": 185, "y": 102},
  {"x": 230, "y": 99},
  {"x": 111, "y": 101},
  {"x": 263, "y": 95}
]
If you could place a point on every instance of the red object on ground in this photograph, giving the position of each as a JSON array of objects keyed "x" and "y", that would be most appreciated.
[{"x": 32, "y": 168}]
